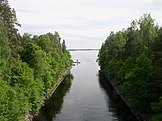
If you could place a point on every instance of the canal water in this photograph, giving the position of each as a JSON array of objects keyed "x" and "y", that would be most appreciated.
[{"x": 85, "y": 95}]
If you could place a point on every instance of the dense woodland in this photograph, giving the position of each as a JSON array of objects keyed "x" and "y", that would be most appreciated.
[
  {"x": 29, "y": 66},
  {"x": 133, "y": 59}
]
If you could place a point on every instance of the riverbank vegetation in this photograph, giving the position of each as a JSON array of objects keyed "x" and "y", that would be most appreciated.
[
  {"x": 29, "y": 66},
  {"x": 133, "y": 59},
  {"x": 54, "y": 104}
]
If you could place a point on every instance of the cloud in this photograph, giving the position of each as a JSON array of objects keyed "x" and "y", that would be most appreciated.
[{"x": 82, "y": 21}]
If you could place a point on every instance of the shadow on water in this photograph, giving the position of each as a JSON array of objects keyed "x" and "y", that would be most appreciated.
[
  {"x": 54, "y": 104},
  {"x": 114, "y": 102}
]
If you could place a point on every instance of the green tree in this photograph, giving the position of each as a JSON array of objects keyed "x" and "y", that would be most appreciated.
[
  {"x": 8, "y": 16},
  {"x": 132, "y": 58},
  {"x": 29, "y": 67},
  {"x": 148, "y": 33}
]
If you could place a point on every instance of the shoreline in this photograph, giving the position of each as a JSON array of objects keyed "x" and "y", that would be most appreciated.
[
  {"x": 58, "y": 83},
  {"x": 30, "y": 117},
  {"x": 121, "y": 94}
]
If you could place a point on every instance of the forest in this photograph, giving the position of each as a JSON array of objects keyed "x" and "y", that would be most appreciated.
[
  {"x": 132, "y": 58},
  {"x": 30, "y": 66}
]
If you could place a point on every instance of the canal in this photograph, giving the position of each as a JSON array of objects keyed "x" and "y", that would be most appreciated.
[{"x": 85, "y": 95}]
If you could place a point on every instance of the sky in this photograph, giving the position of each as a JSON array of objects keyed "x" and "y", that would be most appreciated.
[{"x": 82, "y": 23}]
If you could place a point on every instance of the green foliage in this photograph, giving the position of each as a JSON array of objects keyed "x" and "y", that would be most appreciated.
[
  {"x": 44, "y": 56},
  {"x": 157, "y": 117},
  {"x": 157, "y": 108},
  {"x": 10, "y": 105},
  {"x": 4, "y": 43},
  {"x": 8, "y": 17},
  {"x": 29, "y": 67},
  {"x": 133, "y": 58}
]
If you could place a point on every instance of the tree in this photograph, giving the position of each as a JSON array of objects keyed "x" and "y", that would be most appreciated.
[
  {"x": 8, "y": 16},
  {"x": 29, "y": 67},
  {"x": 157, "y": 108},
  {"x": 5, "y": 51},
  {"x": 63, "y": 46},
  {"x": 133, "y": 59},
  {"x": 148, "y": 33}
]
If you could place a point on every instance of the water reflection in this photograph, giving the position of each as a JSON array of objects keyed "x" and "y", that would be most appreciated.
[
  {"x": 88, "y": 98},
  {"x": 54, "y": 104},
  {"x": 114, "y": 103}
]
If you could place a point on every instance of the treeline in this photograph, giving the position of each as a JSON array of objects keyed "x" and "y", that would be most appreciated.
[
  {"x": 29, "y": 66},
  {"x": 133, "y": 59}
]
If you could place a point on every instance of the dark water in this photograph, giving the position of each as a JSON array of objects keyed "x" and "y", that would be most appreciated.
[{"x": 85, "y": 95}]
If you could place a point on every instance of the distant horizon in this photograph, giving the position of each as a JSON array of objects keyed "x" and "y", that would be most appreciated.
[
  {"x": 83, "y": 49},
  {"x": 82, "y": 23}
]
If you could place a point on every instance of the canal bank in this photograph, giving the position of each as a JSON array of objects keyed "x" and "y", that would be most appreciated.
[
  {"x": 30, "y": 117},
  {"x": 58, "y": 83},
  {"x": 124, "y": 97},
  {"x": 86, "y": 97}
]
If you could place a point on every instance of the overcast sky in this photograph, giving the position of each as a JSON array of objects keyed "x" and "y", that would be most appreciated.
[{"x": 82, "y": 23}]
